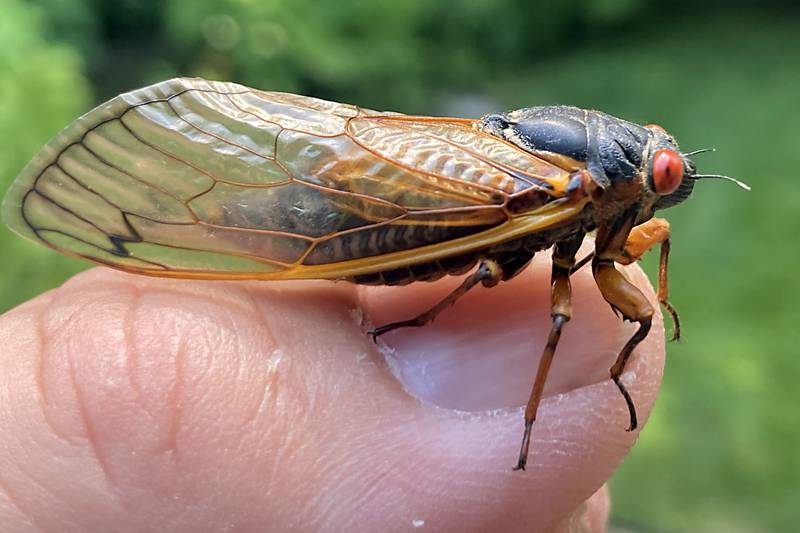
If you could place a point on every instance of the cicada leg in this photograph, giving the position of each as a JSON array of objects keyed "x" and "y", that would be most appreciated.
[
  {"x": 583, "y": 262},
  {"x": 663, "y": 291},
  {"x": 561, "y": 312},
  {"x": 489, "y": 273},
  {"x": 642, "y": 238},
  {"x": 623, "y": 297}
]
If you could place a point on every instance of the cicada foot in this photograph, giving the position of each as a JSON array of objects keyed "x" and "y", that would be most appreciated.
[{"x": 489, "y": 273}]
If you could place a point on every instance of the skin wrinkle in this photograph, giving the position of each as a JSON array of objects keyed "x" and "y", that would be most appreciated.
[
  {"x": 328, "y": 508},
  {"x": 238, "y": 356},
  {"x": 36, "y": 312},
  {"x": 64, "y": 499},
  {"x": 399, "y": 460},
  {"x": 5, "y": 487},
  {"x": 180, "y": 360},
  {"x": 252, "y": 415},
  {"x": 167, "y": 287},
  {"x": 271, "y": 383},
  {"x": 322, "y": 467},
  {"x": 330, "y": 512},
  {"x": 167, "y": 444},
  {"x": 230, "y": 322},
  {"x": 266, "y": 312},
  {"x": 240, "y": 360},
  {"x": 201, "y": 371},
  {"x": 131, "y": 357},
  {"x": 16, "y": 502},
  {"x": 67, "y": 322},
  {"x": 81, "y": 402},
  {"x": 274, "y": 401},
  {"x": 41, "y": 364},
  {"x": 91, "y": 436},
  {"x": 571, "y": 448},
  {"x": 171, "y": 441}
]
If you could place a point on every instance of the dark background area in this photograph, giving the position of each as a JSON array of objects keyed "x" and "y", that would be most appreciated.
[{"x": 720, "y": 451}]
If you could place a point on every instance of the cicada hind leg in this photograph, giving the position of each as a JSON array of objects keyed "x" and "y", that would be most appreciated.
[
  {"x": 489, "y": 273},
  {"x": 560, "y": 312}
]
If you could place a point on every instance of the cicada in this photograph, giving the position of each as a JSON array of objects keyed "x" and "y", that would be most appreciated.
[{"x": 199, "y": 179}]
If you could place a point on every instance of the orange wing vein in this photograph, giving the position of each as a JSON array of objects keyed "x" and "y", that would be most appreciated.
[{"x": 200, "y": 179}]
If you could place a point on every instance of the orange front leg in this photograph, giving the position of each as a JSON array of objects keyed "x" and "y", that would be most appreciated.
[
  {"x": 642, "y": 238},
  {"x": 623, "y": 297},
  {"x": 626, "y": 299}
]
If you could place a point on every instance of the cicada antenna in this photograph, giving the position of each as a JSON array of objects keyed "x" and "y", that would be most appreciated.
[
  {"x": 700, "y": 151},
  {"x": 720, "y": 177}
]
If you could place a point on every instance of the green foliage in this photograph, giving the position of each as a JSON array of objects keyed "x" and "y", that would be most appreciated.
[
  {"x": 381, "y": 53},
  {"x": 42, "y": 88},
  {"x": 719, "y": 451}
]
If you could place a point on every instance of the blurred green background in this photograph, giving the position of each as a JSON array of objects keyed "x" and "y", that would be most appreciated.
[{"x": 721, "y": 450}]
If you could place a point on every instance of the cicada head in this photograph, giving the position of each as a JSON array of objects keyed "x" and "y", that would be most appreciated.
[{"x": 670, "y": 173}]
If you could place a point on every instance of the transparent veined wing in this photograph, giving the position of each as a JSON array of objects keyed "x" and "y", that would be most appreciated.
[{"x": 194, "y": 178}]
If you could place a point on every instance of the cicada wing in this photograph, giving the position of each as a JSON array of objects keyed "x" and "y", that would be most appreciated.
[{"x": 191, "y": 178}]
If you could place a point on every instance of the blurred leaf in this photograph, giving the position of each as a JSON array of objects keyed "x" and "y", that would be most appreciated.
[{"x": 42, "y": 89}]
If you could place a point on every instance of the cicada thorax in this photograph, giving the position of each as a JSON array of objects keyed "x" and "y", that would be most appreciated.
[{"x": 612, "y": 152}]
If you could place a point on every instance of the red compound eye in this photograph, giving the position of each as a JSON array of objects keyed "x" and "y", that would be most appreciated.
[{"x": 667, "y": 171}]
